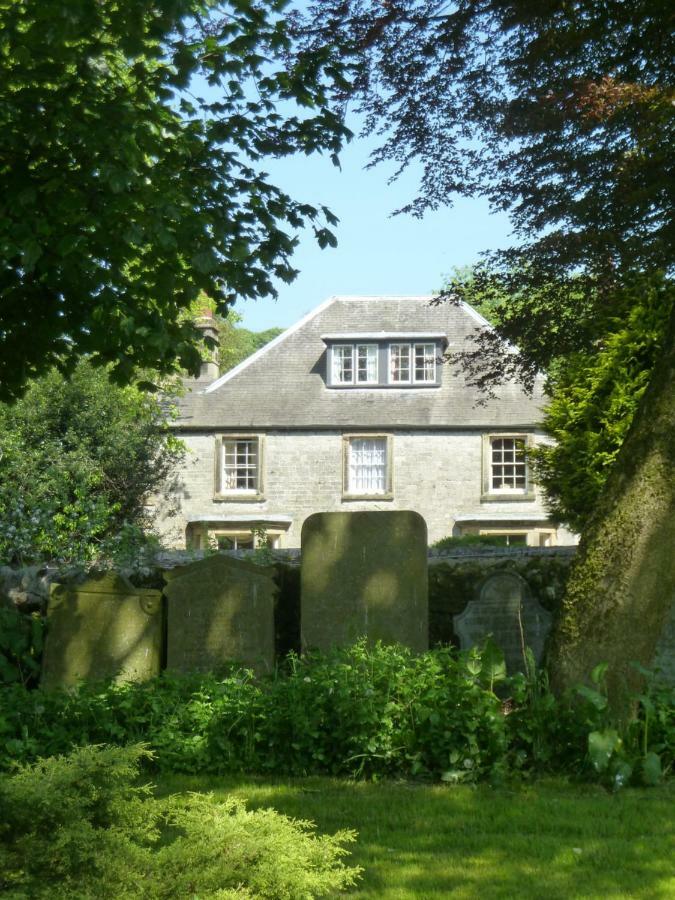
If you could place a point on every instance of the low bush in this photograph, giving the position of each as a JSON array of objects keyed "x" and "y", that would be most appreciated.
[
  {"x": 365, "y": 711},
  {"x": 82, "y": 827},
  {"x": 21, "y": 639},
  {"x": 470, "y": 540}
]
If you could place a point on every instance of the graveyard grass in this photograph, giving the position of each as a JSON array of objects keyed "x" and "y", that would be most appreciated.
[{"x": 548, "y": 839}]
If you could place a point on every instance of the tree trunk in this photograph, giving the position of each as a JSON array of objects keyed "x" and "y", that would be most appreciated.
[{"x": 622, "y": 587}]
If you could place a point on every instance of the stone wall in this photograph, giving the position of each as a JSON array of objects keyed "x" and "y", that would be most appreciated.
[{"x": 435, "y": 474}]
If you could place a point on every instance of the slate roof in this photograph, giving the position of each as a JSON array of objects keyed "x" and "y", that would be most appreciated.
[{"x": 283, "y": 386}]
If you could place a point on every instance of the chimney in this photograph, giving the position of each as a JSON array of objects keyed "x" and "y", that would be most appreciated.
[{"x": 205, "y": 322}]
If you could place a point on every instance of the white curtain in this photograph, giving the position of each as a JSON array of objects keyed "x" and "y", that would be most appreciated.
[{"x": 368, "y": 465}]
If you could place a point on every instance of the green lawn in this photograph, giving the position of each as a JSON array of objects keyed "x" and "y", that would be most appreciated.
[{"x": 549, "y": 840}]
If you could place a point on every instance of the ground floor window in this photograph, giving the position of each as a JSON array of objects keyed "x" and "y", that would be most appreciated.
[
  {"x": 246, "y": 540},
  {"x": 520, "y": 537},
  {"x": 208, "y": 537},
  {"x": 508, "y": 538}
]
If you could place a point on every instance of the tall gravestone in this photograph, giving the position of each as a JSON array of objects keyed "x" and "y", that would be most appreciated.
[
  {"x": 364, "y": 574},
  {"x": 505, "y": 611},
  {"x": 220, "y": 610},
  {"x": 102, "y": 628}
]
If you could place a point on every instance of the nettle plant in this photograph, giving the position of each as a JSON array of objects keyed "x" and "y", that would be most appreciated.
[
  {"x": 366, "y": 711},
  {"x": 641, "y": 750}
]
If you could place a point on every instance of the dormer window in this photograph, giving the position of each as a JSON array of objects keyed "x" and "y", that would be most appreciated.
[
  {"x": 412, "y": 363},
  {"x": 384, "y": 359},
  {"x": 354, "y": 363}
]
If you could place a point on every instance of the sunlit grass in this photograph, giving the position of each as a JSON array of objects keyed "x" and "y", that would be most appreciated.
[{"x": 548, "y": 840}]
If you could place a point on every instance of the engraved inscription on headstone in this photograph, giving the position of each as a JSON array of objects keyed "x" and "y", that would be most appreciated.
[
  {"x": 102, "y": 628},
  {"x": 364, "y": 574},
  {"x": 220, "y": 610},
  {"x": 507, "y": 612}
]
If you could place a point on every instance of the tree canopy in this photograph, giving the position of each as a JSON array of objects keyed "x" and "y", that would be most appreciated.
[
  {"x": 236, "y": 343},
  {"x": 559, "y": 113},
  {"x": 594, "y": 400},
  {"x": 78, "y": 459},
  {"x": 133, "y": 137}
]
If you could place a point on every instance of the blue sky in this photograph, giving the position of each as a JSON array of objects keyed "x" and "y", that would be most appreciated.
[{"x": 376, "y": 253}]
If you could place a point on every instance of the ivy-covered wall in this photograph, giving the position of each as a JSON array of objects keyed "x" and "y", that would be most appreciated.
[
  {"x": 453, "y": 584},
  {"x": 453, "y": 581}
]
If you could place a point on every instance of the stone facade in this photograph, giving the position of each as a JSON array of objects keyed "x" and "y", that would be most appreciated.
[
  {"x": 437, "y": 474},
  {"x": 275, "y": 439}
]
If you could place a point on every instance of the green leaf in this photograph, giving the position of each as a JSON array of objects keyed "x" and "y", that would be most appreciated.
[
  {"x": 602, "y": 745},
  {"x": 599, "y": 701},
  {"x": 493, "y": 666},
  {"x": 651, "y": 770},
  {"x": 599, "y": 672},
  {"x": 325, "y": 238}
]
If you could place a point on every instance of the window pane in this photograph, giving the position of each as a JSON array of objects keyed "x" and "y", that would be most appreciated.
[
  {"x": 425, "y": 362},
  {"x": 509, "y": 467},
  {"x": 343, "y": 364},
  {"x": 399, "y": 362},
  {"x": 367, "y": 470},
  {"x": 240, "y": 465},
  {"x": 366, "y": 355}
]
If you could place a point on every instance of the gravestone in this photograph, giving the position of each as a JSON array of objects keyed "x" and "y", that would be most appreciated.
[
  {"x": 507, "y": 612},
  {"x": 664, "y": 655},
  {"x": 102, "y": 628},
  {"x": 364, "y": 574},
  {"x": 220, "y": 610}
]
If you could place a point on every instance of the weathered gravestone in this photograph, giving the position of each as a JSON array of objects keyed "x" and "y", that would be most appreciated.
[
  {"x": 102, "y": 628},
  {"x": 507, "y": 612},
  {"x": 664, "y": 655},
  {"x": 364, "y": 573},
  {"x": 220, "y": 610}
]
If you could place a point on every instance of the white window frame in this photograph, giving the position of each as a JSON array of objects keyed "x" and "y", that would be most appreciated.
[
  {"x": 349, "y": 490},
  {"x": 397, "y": 346},
  {"x": 508, "y": 533},
  {"x": 272, "y": 538},
  {"x": 412, "y": 348},
  {"x": 353, "y": 351},
  {"x": 338, "y": 358},
  {"x": 369, "y": 355},
  {"x": 434, "y": 352},
  {"x": 508, "y": 492},
  {"x": 224, "y": 490}
]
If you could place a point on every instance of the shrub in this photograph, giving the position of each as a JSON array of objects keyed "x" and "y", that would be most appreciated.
[
  {"x": 363, "y": 711},
  {"x": 82, "y": 827},
  {"x": 469, "y": 540},
  {"x": 21, "y": 639}
]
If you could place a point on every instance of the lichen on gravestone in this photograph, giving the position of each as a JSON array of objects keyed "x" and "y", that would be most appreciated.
[
  {"x": 220, "y": 610},
  {"x": 364, "y": 574},
  {"x": 505, "y": 611},
  {"x": 102, "y": 628}
]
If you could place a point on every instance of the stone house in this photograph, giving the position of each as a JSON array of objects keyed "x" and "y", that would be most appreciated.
[{"x": 352, "y": 409}]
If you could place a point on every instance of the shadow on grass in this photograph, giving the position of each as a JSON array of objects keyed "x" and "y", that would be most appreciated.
[{"x": 549, "y": 840}]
